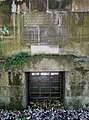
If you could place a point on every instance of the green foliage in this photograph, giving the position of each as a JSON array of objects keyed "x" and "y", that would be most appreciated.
[
  {"x": 5, "y": 30},
  {"x": 4, "y": 8},
  {"x": 15, "y": 60}
]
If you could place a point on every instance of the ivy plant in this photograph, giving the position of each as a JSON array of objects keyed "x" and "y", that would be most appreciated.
[{"x": 15, "y": 60}]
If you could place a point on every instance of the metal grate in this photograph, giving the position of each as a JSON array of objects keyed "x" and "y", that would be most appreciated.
[
  {"x": 74, "y": 27},
  {"x": 42, "y": 34},
  {"x": 45, "y": 85}
]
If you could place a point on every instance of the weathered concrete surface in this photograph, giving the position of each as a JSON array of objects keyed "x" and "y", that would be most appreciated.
[
  {"x": 73, "y": 40},
  {"x": 72, "y": 36},
  {"x": 76, "y": 79}
]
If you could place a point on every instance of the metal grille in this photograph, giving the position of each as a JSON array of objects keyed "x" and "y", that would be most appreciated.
[
  {"x": 74, "y": 27},
  {"x": 31, "y": 34},
  {"x": 46, "y": 85},
  {"x": 42, "y": 34}
]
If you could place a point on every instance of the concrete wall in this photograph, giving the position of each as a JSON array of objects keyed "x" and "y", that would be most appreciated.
[
  {"x": 76, "y": 76},
  {"x": 71, "y": 36},
  {"x": 73, "y": 42},
  {"x": 76, "y": 80},
  {"x": 10, "y": 94}
]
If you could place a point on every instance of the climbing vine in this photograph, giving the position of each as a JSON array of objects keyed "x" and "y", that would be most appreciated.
[{"x": 15, "y": 60}]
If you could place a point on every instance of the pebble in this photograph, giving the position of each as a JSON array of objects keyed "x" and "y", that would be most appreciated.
[{"x": 44, "y": 114}]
